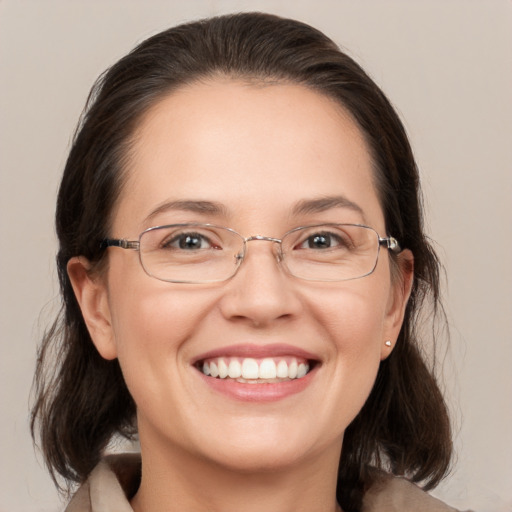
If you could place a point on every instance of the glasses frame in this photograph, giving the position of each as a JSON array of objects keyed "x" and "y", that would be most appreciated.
[{"x": 389, "y": 243}]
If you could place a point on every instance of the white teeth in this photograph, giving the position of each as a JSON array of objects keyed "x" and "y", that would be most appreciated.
[
  {"x": 292, "y": 370},
  {"x": 223, "y": 369},
  {"x": 234, "y": 369},
  {"x": 267, "y": 369},
  {"x": 302, "y": 370},
  {"x": 214, "y": 371},
  {"x": 250, "y": 370},
  {"x": 282, "y": 370}
]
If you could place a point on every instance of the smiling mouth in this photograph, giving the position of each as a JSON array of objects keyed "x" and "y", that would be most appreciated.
[{"x": 249, "y": 370}]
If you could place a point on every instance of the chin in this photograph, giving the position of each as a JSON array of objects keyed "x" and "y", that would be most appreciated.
[
  {"x": 268, "y": 445},
  {"x": 260, "y": 459}
]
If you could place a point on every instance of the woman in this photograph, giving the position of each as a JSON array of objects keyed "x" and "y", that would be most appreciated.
[{"x": 242, "y": 262}]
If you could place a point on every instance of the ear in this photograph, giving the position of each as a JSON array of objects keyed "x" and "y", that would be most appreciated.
[
  {"x": 401, "y": 286},
  {"x": 92, "y": 296}
]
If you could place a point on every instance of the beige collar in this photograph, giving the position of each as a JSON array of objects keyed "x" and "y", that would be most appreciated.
[{"x": 116, "y": 478}]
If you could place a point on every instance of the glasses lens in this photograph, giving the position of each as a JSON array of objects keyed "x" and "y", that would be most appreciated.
[
  {"x": 331, "y": 252},
  {"x": 190, "y": 253}
]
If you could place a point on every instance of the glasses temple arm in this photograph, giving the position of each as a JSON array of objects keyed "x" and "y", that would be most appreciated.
[
  {"x": 391, "y": 243},
  {"x": 115, "y": 242}
]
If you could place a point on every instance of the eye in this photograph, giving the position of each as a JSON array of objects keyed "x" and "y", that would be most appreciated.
[
  {"x": 188, "y": 242},
  {"x": 323, "y": 240}
]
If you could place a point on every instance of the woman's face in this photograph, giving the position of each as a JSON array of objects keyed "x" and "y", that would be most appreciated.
[{"x": 256, "y": 159}]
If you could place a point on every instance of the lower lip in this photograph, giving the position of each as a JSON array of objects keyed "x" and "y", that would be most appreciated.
[{"x": 271, "y": 392}]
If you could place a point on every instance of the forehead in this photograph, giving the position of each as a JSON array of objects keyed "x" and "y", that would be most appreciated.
[{"x": 255, "y": 149}]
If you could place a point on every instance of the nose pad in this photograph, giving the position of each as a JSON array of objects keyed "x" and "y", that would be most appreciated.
[
  {"x": 279, "y": 254},
  {"x": 276, "y": 249}
]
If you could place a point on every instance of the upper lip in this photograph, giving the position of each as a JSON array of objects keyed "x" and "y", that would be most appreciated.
[{"x": 257, "y": 352}]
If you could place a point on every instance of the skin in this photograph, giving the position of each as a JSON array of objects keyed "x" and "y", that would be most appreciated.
[{"x": 258, "y": 151}]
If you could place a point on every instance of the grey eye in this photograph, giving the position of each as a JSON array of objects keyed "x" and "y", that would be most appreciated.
[
  {"x": 188, "y": 242},
  {"x": 321, "y": 241}
]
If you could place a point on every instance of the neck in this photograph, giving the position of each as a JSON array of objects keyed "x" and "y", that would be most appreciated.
[{"x": 173, "y": 480}]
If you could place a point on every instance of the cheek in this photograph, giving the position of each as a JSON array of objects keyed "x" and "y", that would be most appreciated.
[
  {"x": 354, "y": 314},
  {"x": 151, "y": 322},
  {"x": 154, "y": 322},
  {"x": 354, "y": 320},
  {"x": 155, "y": 329},
  {"x": 356, "y": 334}
]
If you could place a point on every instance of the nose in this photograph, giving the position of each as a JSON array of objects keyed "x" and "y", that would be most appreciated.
[{"x": 261, "y": 292}]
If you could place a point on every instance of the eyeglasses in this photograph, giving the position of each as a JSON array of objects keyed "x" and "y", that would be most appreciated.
[{"x": 204, "y": 253}]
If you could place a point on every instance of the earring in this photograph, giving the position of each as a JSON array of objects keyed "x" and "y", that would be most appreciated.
[{"x": 387, "y": 343}]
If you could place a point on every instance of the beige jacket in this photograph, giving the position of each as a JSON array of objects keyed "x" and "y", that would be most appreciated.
[{"x": 118, "y": 476}]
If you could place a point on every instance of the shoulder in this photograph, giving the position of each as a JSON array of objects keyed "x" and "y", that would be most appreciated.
[
  {"x": 110, "y": 486},
  {"x": 115, "y": 480},
  {"x": 394, "y": 494}
]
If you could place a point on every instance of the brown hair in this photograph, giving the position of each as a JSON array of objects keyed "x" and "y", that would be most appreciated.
[{"x": 82, "y": 400}]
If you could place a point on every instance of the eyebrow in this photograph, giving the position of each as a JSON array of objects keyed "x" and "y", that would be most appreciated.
[
  {"x": 199, "y": 206},
  {"x": 304, "y": 207},
  {"x": 323, "y": 204}
]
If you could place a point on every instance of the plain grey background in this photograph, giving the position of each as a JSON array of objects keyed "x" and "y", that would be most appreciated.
[{"x": 447, "y": 67}]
